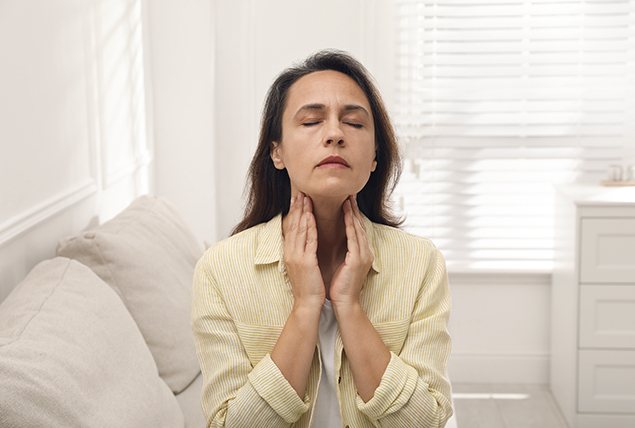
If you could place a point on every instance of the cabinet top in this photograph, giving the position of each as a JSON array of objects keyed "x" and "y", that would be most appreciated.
[{"x": 598, "y": 195}]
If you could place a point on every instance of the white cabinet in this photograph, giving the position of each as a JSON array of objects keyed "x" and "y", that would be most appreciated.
[
  {"x": 607, "y": 317},
  {"x": 593, "y": 307},
  {"x": 607, "y": 250},
  {"x": 607, "y": 382}
]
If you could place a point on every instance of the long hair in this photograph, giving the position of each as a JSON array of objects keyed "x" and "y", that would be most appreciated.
[{"x": 269, "y": 189}]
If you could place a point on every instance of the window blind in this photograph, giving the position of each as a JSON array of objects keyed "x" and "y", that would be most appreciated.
[{"x": 498, "y": 101}]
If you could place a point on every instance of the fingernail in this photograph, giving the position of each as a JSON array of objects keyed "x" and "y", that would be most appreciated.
[
  {"x": 292, "y": 200},
  {"x": 306, "y": 201}
]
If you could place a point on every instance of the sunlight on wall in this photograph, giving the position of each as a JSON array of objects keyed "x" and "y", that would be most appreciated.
[
  {"x": 74, "y": 146},
  {"x": 120, "y": 86}
]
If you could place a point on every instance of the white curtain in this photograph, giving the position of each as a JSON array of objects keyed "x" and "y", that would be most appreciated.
[{"x": 497, "y": 102}]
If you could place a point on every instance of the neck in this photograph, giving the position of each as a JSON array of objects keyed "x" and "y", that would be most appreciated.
[{"x": 329, "y": 217}]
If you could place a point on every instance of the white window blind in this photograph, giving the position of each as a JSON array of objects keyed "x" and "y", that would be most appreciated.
[{"x": 498, "y": 101}]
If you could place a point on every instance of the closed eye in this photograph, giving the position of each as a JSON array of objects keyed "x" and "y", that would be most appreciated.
[
  {"x": 354, "y": 125},
  {"x": 310, "y": 123}
]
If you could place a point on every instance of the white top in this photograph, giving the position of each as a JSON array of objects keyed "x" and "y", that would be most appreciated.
[{"x": 327, "y": 409}]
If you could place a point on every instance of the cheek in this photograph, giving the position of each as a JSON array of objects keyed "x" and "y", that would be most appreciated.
[
  {"x": 372, "y": 157},
  {"x": 295, "y": 164}
]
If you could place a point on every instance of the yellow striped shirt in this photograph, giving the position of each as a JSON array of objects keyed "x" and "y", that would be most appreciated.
[{"x": 241, "y": 300}]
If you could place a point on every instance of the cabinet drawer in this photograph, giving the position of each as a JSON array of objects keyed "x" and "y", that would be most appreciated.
[
  {"x": 607, "y": 250},
  {"x": 607, "y": 381},
  {"x": 607, "y": 316}
]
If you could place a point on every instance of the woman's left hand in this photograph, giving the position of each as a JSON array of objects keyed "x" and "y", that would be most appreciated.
[
  {"x": 348, "y": 280},
  {"x": 367, "y": 354}
]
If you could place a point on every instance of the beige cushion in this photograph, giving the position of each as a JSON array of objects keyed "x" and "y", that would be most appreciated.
[
  {"x": 190, "y": 402},
  {"x": 71, "y": 355},
  {"x": 147, "y": 255}
]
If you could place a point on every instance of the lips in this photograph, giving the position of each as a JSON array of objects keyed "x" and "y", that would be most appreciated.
[{"x": 333, "y": 160}]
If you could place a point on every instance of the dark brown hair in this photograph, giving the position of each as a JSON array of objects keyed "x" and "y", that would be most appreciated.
[{"x": 269, "y": 191}]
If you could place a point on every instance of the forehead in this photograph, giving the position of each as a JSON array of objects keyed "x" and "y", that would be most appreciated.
[{"x": 330, "y": 88}]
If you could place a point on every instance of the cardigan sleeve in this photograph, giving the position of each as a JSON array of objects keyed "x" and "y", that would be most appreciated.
[
  {"x": 235, "y": 393},
  {"x": 415, "y": 390}
]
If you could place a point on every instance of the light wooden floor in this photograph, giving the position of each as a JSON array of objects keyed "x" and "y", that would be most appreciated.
[{"x": 505, "y": 406}]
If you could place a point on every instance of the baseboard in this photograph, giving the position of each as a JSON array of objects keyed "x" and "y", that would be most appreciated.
[{"x": 499, "y": 368}]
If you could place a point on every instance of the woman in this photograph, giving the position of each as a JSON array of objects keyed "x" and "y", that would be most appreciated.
[{"x": 318, "y": 311}]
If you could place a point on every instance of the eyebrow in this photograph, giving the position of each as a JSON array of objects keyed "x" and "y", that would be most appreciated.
[{"x": 348, "y": 107}]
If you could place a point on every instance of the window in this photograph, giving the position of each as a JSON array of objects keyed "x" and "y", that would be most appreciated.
[{"x": 497, "y": 102}]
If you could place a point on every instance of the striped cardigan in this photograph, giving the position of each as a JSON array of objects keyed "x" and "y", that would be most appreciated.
[{"x": 242, "y": 298}]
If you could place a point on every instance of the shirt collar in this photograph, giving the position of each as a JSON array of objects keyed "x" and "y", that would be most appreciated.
[{"x": 271, "y": 245}]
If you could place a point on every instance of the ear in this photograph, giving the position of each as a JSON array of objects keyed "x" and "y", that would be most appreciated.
[
  {"x": 275, "y": 155},
  {"x": 374, "y": 166}
]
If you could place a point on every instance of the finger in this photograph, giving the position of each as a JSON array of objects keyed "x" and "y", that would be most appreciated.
[
  {"x": 359, "y": 219},
  {"x": 291, "y": 232},
  {"x": 356, "y": 210},
  {"x": 357, "y": 215},
  {"x": 301, "y": 221},
  {"x": 310, "y": 224},
  {"x": 351, "y": 234},
  {"x": 359, "y": 226},
  {"x": 308, "y": 206},
  {"x": 297, "y": 212},
  {"x": 300, "y": 239},
  {"x": 312, "y": 235},
  {"x": 296, "y": 202},
  {"x": 362, "y": 239},
  {"x": 360, "y": 231}
]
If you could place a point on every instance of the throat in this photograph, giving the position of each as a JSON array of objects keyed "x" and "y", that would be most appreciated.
[
  {"x": 329, "y": 269},
  {"x": 327, "y": 277},
  {"x": 331, "y": 251}
]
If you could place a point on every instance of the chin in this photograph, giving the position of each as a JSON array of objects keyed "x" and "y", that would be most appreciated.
[
  {"x": 336, "y": 189},
  {"x": 339, "y": 195}
]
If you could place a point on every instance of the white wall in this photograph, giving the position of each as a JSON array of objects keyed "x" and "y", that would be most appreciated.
[
  {"x": 74, "y": 148},
  {"x": 500, "y": 328},
  {"x": 181, "y": 51}
]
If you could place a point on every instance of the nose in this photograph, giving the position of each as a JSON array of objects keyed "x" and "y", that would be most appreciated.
[{"x": 334, "y": 134}]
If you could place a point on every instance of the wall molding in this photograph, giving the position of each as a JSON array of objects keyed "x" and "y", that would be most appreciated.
[
  {"x": 500, "y": 278},
  {"x": 92, "y": 96},
  {"x": 39, "y": 213},
  {"x": 499, "y": 368}
]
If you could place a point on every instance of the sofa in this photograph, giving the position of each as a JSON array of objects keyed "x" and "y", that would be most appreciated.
[{"x": 100, "y": 336}]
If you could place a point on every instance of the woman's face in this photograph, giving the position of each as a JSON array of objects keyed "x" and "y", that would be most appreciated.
[{"x": 328, "y": 136}]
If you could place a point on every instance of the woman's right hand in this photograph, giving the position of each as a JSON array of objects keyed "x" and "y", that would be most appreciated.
[
  {"x": 295, "y": 347},
  {"x": 300, "y": 254}
]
